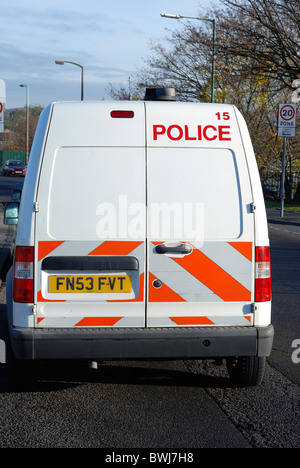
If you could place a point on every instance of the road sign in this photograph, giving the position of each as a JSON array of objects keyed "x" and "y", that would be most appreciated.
[
  {"x": 287, "y": 120},
  {"x": 286, "y": 128}
]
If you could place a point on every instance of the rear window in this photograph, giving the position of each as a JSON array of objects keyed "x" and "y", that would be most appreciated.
[
  {"x": 197, "y": 178},
  {"x": 15, "y": 163},
  {"x": 90, "y": 188},
  {"x": 102, "y": 192}
]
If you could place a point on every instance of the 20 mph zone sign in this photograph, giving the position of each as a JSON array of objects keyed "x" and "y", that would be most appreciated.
[{"x": 287, "y": 120}]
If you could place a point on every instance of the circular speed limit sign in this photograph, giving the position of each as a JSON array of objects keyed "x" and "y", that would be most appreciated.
[
  {"x": 287, "y": 120},
  {"x": 1, "y": 107},
  {"x": 287, "y": 112}
]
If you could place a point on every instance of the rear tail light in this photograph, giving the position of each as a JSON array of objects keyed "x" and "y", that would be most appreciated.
[
  {"x": 262, "y": 274},
  {"x": 23, "y": 274}
]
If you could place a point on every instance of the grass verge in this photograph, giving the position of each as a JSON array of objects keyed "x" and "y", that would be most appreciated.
[{"x": 276, "y": 205}]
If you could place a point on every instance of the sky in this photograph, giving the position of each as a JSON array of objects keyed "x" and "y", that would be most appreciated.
[{"x": 109, "y": 38}]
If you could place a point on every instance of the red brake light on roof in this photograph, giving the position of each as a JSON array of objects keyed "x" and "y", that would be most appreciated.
[
  {"x": 121, "y": 114},
  {"x": 262, "y": 274},
  {"x": 23, "y": 274}
]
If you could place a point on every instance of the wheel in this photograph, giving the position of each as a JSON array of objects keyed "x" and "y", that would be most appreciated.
[{"x": 246, "y": 371}]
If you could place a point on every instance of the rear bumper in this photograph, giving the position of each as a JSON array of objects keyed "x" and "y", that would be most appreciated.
[{"x": 158, "y": 343}]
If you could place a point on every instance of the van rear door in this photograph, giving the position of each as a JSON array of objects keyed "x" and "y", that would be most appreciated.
[
  {"x": 90, "y": 219},
  {"x": 200, "y": 222}
]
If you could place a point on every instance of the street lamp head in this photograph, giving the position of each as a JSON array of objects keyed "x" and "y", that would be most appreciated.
[
  {"x": 23, "y": 85},
  {"x": 166, "y": 15},
  {"x": 59, "y": 62}
]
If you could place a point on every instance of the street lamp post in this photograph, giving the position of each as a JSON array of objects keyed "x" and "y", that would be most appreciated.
[
  {"x": 213, "y": 21},
  {"x": 27, "y": 120},
  {"x": 62, "y": 62}
]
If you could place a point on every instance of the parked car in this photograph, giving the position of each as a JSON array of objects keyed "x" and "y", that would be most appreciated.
[{"x": 13, "y": 167}]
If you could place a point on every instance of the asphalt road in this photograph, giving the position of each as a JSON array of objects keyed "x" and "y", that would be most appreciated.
[
  {"x": 168, "y": 405},
  {"x": 285, "y": 250},
  {"x": 7, "y": 185}
]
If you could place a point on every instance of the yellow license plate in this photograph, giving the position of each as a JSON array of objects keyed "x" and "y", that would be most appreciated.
[{"x": 90, "y": 284}]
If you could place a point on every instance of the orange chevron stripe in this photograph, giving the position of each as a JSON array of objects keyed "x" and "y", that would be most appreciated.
[
  {"x": 214, "y": 277},
  {"x": 192, "y": 320},
  {"x": 245, "y": 248},
  {"x": 162, "y": 294},
  {"x": 115, "y": 248},
  {"x": 98, "y": 321},
  {"x": 45, "y": 247}
]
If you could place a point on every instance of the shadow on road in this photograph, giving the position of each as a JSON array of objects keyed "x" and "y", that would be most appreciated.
[{"x": 49, "y": 376}]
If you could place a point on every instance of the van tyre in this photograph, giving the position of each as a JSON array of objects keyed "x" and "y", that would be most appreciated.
[{"x": 246, "y": 371}]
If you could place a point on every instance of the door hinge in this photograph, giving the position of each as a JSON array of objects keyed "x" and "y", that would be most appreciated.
[
  {"x": 252, "y": 207},
  {"x": 34, "y": 309},
  {"x": 36, "y": 207}
]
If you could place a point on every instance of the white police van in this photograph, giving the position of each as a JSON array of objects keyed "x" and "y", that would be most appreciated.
[{"x": 142, "y": 234}]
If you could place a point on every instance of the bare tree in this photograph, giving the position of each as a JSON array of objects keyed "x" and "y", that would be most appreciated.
[
  {"x": 257, "y": 60},
  {"x": 256, "y": 40},
  {"x": 266, "y": 32}
]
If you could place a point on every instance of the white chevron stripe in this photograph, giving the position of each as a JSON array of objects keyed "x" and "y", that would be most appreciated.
[
  {"x": 180, "y": 280},
  {"x": 230, "y": 260}
]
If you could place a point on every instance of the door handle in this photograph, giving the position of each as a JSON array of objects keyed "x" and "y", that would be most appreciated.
[{"x": 181, "y": 249}]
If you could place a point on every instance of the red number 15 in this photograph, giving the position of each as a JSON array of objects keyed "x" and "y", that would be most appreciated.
[{"x": 224, "y": 116}]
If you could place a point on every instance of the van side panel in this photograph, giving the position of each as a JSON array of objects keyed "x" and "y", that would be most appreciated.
[
  {"x": 261, "y": 233},
  {"x": 25, "y": 232}
]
